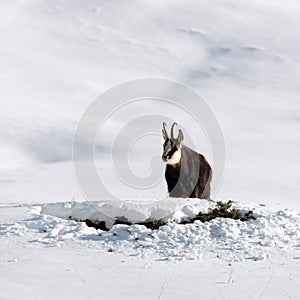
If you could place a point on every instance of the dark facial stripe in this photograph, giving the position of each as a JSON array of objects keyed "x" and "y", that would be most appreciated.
[{"x": 172, "y": 151}]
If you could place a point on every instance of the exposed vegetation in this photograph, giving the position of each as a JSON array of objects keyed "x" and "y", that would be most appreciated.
[
  {"x": 150, "y": 223},
  {"x": 97, "y": 225},
  {"x": 222, "y": 210},
  {"x": 153, "y": 224}
]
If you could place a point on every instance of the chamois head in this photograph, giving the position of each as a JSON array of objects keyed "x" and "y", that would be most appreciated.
[{"x": 172, "y": 146}]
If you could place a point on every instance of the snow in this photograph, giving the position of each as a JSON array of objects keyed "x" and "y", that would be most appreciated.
[
  {"x": 56, "y": 57},
  {"x": 271, "y": 234},
  {"x": 48, "y": 256},
  {"x": 167, "y": 209}
]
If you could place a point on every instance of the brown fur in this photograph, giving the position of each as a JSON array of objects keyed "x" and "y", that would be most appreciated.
[{"x": 191, "y": 176}]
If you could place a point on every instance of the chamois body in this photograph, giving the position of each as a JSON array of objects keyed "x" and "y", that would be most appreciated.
[{"x": 188, "y": 174}]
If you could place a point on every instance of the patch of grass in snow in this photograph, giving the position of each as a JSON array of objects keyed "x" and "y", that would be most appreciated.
[
  {"x": 98, "y": 225},
  {"x": 153, "y": 224},
  {"x": 149, "y": 223},
  {"x": 224, "y": 210}
]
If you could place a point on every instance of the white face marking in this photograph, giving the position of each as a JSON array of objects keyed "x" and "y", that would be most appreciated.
[{"x": 175, "y": 159}]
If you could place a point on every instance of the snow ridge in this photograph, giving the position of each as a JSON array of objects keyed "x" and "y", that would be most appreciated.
[{"x": 226, "y": 239}]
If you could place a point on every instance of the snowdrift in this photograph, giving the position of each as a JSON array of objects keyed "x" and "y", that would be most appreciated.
[
  {"x": 167, "y": 210},
  {"x": 222, "y": 238}
]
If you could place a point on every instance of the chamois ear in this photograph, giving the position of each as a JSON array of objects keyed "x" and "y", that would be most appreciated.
[{"x": 180, "y": 136}]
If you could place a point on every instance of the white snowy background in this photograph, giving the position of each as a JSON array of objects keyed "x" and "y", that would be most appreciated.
[{"x": 242, "y": 57}]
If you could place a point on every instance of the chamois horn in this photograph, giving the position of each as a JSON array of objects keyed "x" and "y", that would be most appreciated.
[
  {"x": 172, "y": 130},
  {"x": 165, "y": 133}
]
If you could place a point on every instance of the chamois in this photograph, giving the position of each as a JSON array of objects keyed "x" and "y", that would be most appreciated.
[{"x": 188, "y": 174}]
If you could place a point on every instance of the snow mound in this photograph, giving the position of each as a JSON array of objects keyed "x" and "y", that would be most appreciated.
[
  {"x": 167, "y": 209},
  {"x": 272, "y": 233}
]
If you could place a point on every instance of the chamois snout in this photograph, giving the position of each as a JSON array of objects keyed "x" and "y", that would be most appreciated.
[{"x": 164, "y": 157}]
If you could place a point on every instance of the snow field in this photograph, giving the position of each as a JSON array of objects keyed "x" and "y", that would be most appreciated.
[{"x": 242, "y": 57}]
